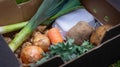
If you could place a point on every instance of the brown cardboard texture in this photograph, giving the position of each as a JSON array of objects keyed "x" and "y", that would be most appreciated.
[
  {"x": 106, "y": 11},
  {"x": 11, "y": 13}
]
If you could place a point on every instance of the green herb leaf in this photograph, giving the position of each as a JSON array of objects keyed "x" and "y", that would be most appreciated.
[{"x": 68, "y": 50}]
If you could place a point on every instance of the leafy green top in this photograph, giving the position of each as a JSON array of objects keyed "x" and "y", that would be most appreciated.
[{"x": 68, "y": 50}]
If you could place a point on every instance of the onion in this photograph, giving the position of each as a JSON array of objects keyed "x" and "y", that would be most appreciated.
[
  {"x": 41, "y": 40},
  {"x": 31, "y": 54}
]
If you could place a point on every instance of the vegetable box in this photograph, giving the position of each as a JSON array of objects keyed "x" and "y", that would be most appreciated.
[{"x": 104, "y": 11}]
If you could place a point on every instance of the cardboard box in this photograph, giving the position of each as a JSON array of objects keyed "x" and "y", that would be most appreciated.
[
  {"x": 11, "y": 13},
  {"x": 105, "y": 11}
]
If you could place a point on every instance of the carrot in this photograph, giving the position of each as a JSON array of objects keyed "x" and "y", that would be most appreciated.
[{"x": 54, "y": 35}]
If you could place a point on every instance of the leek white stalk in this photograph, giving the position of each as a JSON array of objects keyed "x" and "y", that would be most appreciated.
[{"x": 12, "y": 27}]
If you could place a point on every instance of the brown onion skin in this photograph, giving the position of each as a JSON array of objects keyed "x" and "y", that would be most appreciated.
[
  {"x": 31, "y": 54},
  {"x": 41, "y": 40}
]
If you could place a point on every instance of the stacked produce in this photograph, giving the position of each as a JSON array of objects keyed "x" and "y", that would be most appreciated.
[{"x": 35, "y": 41}]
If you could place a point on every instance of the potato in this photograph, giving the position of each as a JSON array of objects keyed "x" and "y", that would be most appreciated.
[
  {"x": 98, "y": 34},
  {"x": 80, "y": 32}
]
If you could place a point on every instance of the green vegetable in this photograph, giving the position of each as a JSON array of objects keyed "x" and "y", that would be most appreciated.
[
  {"x": 68, "y": 7},
  {"x": 21, "y": 1},
  {"x": 12, "y": 27},
  {"x": 69, "y": 50},
  {"x": 66, "y": 50},
  {"x": 47, "y": 9}
]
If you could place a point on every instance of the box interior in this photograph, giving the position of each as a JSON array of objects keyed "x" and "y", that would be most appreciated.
[{"x": 104, "y": 54}]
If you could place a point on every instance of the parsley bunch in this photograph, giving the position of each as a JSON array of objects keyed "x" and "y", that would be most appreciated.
[{"x": 68, "y": 50}]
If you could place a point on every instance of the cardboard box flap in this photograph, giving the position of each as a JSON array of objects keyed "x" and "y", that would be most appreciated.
[
  {"x": 103, "y": 11},
  {"x": 29, "y": 8},
  {"x": 11, "y": 13}
]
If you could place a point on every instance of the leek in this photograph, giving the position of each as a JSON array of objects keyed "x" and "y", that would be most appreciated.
[
  {"x": 68, "y": 7},
  {"x": 47, "y": 9},
  {"x": 12, "y": 27}
]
